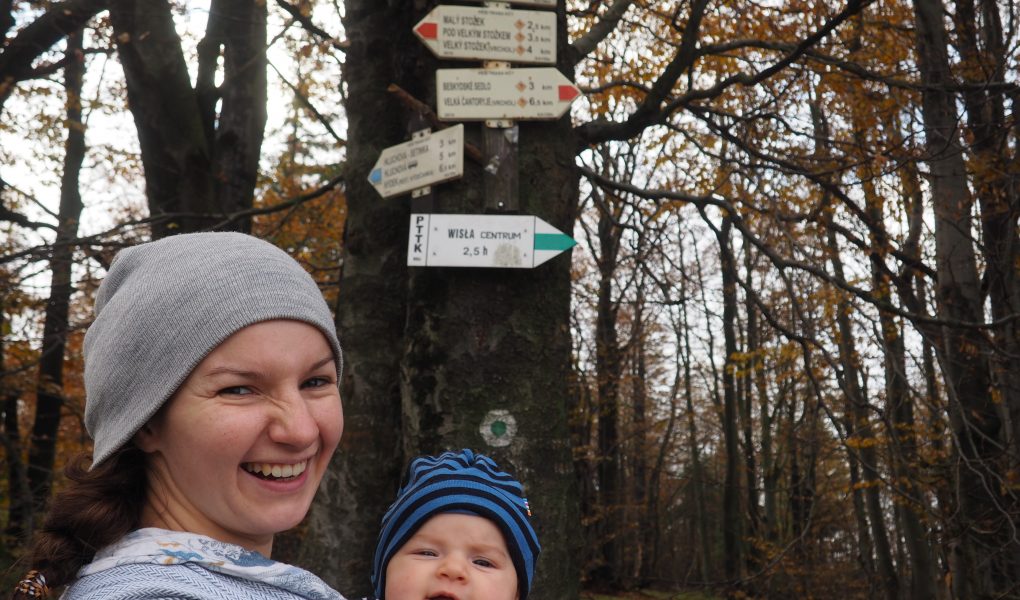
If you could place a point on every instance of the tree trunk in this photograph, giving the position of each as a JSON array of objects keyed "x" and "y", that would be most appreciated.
[
  {"x": 639, "y": 484},
  {"x": 444, "y": 357},
  {"x": 50, "y": 378},
  {"x": 176, "y": 155},
  {"x": 753, "y": 371},
  {"x": 861, "y": 439},
  {"x": 372, "y": 307},
  {"x": 200, "y": 167},
  {"x": 241, "y": 125},
  {"x": 609, "y": 373},
  {"x": 994, "y": 183},
  {"x": 973, "y": 414},
  {"x": 703, "y": 548},
  {"x": 733, "y": 521},
  {"x": 19, "y": 509}
]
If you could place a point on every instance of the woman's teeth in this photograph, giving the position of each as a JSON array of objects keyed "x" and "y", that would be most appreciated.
[{"x": 276, "y": 471}]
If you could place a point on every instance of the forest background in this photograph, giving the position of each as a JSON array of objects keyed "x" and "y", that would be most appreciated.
[{"x": 782, "y": 361}]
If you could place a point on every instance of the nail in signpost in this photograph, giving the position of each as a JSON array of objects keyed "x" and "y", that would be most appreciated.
[
  {"x": 469, "y": 32},
  {"x": 506, "y": 241},
  {"x": 425, "y": 160},
  {"x": 480, "y": 94}
]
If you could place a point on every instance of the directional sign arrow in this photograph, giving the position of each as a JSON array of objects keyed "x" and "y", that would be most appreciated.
[
  {"x": 524, "y": 36},
  {"x": 425, "y": 160},
  {"x": 479, "y": 94},
  {"x": 501, "y": 241}
]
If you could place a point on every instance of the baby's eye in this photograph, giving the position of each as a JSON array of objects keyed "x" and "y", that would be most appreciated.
[
  {"x": 236, "y": 390},
  {"x": 484, "y": 562},
  {"x": 316, "y": 382},
  {"x": 426, "y": 552}
]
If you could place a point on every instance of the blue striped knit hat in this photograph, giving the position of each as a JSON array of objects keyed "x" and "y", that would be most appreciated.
[{"x": 462, "y": 482}]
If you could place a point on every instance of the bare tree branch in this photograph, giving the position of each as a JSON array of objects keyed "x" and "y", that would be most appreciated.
[
  {"x": 649, "y": 111},
  {"x": 308, "y": 104},
  {"x": 36, "y": 38},
  {"x": 600, "y": 31},
  {"x": 311, "y": 27}
]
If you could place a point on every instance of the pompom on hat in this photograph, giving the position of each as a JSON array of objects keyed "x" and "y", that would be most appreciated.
[
  {"x": 165, "y": 305},
  {"x": 459, "y": 482}
]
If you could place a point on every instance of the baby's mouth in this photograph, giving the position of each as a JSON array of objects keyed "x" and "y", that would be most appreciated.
[{"x": 275, "y": 471}]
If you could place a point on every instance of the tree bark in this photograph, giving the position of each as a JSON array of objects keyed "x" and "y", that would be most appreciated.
[
  {"x": 733, "y": 518},
  {"x": 241, "y": 125},
  {"x": 372, "y": 306},
  {"x": 50, "y": 378},
  {"x": 860, "y": 433},
  {"x": 609, "y": 373},
  {"x": 176, "y": 154},
  {"x": 975, "y": 420},
  {"x": 19, "y": 509},
  {"x": 434, "y": 353}
]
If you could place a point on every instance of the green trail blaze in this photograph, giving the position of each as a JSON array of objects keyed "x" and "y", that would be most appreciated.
[{"x": 553, "y": 241}]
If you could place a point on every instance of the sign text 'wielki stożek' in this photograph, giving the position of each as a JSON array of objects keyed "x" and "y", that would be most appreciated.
[
  {"x": 501, "y": 241},
  {"x": 471, "y": 32},
  {"x": 431, "y": 158}
]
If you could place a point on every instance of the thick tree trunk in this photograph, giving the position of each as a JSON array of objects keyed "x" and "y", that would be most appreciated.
[
  {"x": 200, "y": 167},
  {"x": 371, "y": 312},
  {"x": 442, "y": 357},
  {"x": 176, "y": 155},
  {"x": 241, "y": 125},
  {"x": 973, "y": 412},
  {"x": 50, "y": 379}
]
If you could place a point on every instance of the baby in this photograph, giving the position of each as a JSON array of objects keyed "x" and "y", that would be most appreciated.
[{"x": 458, "y": 530}]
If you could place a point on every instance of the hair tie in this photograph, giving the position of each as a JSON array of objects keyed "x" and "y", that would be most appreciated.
[{"x": 33, "y": 585}]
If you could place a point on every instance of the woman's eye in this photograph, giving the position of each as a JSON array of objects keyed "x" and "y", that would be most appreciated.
[
  {"x": 237, "y": 390},
  {"x": 315, "y": 382}
]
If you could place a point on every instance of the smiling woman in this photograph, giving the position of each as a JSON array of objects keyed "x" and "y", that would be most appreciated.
[{"x": 211, "y": 374}]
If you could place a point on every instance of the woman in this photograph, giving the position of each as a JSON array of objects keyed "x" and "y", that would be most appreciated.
[{"x": 211, "y": 381}]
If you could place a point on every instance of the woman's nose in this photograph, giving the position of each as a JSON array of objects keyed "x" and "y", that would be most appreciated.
[{"x": 294, "y": 424}]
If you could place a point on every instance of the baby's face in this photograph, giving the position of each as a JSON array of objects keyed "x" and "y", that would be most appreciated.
[{"x": 453, "y": 557}]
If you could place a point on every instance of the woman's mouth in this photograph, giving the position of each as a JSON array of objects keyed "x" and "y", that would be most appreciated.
[{"x": 275, "y": 471}]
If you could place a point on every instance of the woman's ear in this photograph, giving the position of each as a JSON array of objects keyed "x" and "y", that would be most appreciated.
[{"x": 147, "y": 438}]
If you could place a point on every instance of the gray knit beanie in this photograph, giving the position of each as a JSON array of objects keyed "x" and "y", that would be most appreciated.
[{"x": 166, "y": 304}]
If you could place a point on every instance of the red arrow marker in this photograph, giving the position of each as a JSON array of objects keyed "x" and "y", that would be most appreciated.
[
  {"x": 568, "y": 93},
  {"x": 428, "y": 31}
]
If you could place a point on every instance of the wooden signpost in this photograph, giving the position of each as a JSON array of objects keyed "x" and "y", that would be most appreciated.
[
  {"x": 506, "y": 241},
  {"x": 469, "y": 32}
]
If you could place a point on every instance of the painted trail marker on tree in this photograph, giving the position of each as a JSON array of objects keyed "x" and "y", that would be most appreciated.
[
  {"x": 469, "y": 32},
  {"x": 502, "y": 241},
  {"x": 427, "y": 159},
  {"x": 480, "y": 94}
]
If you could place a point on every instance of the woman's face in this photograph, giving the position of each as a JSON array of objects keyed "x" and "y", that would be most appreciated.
[{"x": 238, "y": 452}]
